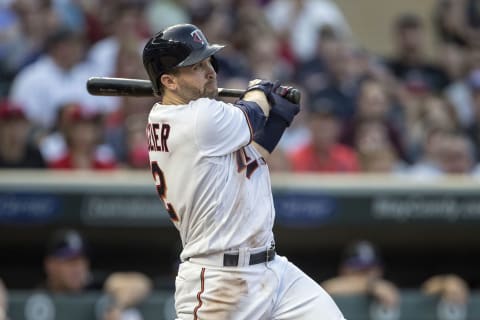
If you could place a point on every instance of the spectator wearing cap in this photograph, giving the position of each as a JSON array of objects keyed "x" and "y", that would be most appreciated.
[
  {"x": 16, "y": 150},
  {"x": 361, "y": 272},
  {"x": 68, "y": 271},
  {"x": 67, "y": 264},
  {"x": 83, "y": 133},
  {"x": 324, "y": 153},
  {"x": 57, "y": 77},
  {"x": 410, "y": 62}
]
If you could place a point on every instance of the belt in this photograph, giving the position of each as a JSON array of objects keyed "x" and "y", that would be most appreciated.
[
  {"x": 239, "y": 258},
  {"x": 231, "y": 260}
]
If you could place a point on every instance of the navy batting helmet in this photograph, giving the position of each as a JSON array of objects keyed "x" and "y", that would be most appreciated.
[{"x": 177, "y": 46}]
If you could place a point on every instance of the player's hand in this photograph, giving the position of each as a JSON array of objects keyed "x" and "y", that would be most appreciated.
[
  {"x": 281, "y": 106},
  {"x": 263, "y": 85}
]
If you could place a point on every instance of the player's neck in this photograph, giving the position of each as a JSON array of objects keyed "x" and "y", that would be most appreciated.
[{"x": 170, "y": 98}]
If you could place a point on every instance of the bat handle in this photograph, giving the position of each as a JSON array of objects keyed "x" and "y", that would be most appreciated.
[{"x": 290, "y": 93}]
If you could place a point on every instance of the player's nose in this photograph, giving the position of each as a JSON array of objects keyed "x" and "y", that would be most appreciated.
[{"x": 210, "y": 69}]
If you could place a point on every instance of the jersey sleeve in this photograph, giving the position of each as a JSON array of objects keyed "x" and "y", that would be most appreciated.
[{"x": 220, "y": 128}]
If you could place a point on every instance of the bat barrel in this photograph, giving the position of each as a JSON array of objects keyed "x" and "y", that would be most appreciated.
[{"x": 104, "y": 86}]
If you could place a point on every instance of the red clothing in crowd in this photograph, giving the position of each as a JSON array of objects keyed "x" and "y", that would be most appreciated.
[
  {"x": 340, "y": 159},
  {"x": 65, "y": 162}
]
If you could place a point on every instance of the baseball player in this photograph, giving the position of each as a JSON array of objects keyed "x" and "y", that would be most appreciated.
[{"x": 208, "y": 160}]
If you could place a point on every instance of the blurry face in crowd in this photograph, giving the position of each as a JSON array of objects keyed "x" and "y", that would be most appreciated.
[
  {"x": 192, "y": 82},
  {"x": 410, "y": 40},
  {"x": 14, "y": 131},
  {"x": 437, "y": 113},
  {"x": 83, "y": 134},
  {"x": 372, "y": 102},
  {"x": 325, "y": 130},
  {"x": 67, "y": 275},
  {"x": 453, "y": 60},
  {"x": 68, "y": 53},
  {"x": 457, "y": 156},
  {"x": 371, "y": 136}
]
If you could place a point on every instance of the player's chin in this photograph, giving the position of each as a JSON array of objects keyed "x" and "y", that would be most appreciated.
[{"x": 211, "y": 91}]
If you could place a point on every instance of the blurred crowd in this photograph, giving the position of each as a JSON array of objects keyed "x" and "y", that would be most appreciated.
[{"x": 408, "y": 113}]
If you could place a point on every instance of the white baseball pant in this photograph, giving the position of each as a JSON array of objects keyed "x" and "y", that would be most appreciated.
[{"x": 275, "y": 290}]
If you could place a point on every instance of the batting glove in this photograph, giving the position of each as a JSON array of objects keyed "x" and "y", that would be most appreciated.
[
  {"x": 263, "y": 85},
  {"x": 281, "y": 106}
]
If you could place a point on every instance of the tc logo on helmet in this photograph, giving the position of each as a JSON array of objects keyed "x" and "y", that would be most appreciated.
[{"x": 198, "y": 36}]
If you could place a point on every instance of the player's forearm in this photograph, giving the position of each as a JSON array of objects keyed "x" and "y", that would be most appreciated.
[
  {"x": 264, "y": 152},
  {"x": 259, "y": 97}
]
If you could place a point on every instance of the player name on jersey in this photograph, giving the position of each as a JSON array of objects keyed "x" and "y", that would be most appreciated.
[{"x": 157, "y": 136}]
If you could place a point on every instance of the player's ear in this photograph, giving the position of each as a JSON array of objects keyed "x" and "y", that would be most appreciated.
[{"x": 168, "y": 81}]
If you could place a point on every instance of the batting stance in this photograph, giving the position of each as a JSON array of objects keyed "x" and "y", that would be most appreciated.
[{"x": 208, "y": 160}]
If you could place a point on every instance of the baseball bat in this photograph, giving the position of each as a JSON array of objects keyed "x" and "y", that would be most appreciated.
[{"x": 105, "y": 86}]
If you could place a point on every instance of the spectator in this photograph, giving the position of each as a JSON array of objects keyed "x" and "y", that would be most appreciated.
[
  {"x": 433, "y": 111},
  {"x": 126, "y": 34},
  {"x": 361, "y": 272},
  {"x": 410, "y": 63},
  {"x": 68, "y": 271},
  {"x": 455, "y": 61},
  {"x": 136, "y": 142},
  {"x": 429, "y": 162},
  {"x": 450, "y": 23},
  {"x": 57, "y": 77},
  {"x": 52, "y": 144},
  {"x": 342, "y": 80},
  {"x": 314, "y": 72},
  {"x": 375, "y": 151},
  {"x": 299, "y": 21},
  {"x": 459, "y": 154},
  {"x": 30, "y": 24},
  {"x": 373, "y": 104},
  {"x": 83, "y": 137},
  {"x": 3, "y": 301},
  {"x": 324, "y": 153},
  {"x": 67, "y": 264},
  {"x": 16, "y": 150},
  {"x": 446, "y": 153}
]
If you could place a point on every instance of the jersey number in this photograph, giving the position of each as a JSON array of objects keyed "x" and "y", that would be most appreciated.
[
  {"x": 245, "y": 162},
  {"x": 159, "y": 179}
]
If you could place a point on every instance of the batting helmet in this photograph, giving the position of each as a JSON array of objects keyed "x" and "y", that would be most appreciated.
[{"x": 177, "y": 46}]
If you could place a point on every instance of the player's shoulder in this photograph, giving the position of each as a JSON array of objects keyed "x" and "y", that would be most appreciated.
[{"x": 202, "y": 102}]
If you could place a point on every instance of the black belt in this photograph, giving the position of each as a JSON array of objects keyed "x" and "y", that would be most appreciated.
[{"x": 231, "y": 260}]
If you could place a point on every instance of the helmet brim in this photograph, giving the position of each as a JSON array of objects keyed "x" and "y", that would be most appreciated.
[{"x": 198, "y": 56}]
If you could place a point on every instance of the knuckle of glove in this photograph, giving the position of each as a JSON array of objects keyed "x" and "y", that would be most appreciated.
[
  {"x": 284, "y": 108},
  {"x": 262, "y": 85}
]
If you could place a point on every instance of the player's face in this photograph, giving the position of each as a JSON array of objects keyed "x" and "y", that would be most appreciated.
[{"x": 197, "y": 81}]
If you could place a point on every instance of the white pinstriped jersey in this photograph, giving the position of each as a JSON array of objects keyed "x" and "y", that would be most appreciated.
[{"x": 214, "y": 184}]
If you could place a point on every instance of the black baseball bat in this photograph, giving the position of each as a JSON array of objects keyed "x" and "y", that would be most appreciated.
[{"x": 106, "y": 86}]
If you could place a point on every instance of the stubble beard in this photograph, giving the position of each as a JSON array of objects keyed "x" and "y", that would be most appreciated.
[{"x": 189, "y": 93}]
